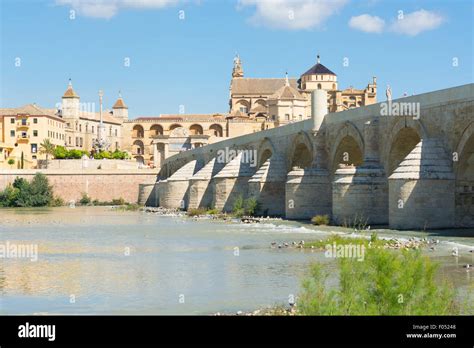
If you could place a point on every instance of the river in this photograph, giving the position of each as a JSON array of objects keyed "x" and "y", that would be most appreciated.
[{"x": 96, "y": 260}]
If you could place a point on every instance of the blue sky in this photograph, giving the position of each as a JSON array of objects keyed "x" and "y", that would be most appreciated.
[{"x": 188, "y": 61}]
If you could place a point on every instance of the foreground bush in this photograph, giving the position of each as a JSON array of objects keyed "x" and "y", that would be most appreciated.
[
  {"x": 23, "y": 193},
  {"x": 385, "y": 283},
  {"x": 320, "y": 220}
]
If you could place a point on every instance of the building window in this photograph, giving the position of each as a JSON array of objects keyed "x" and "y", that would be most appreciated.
[
  {"x": 35, "y": 133},
  {"x": 92, "y": 129},
  {"x": 80, "y": 128},
  {"x": 69, "y": 140},
  {"x": 23, "y": 134},
  {"x": 77, "y": 141},
  {"x": 87, "y": 128},
  {"x": 34, "y": 148},
  {"x": 80, "y": 139},
  {"x": 23, "y": 121},
  {"x": 319, "y": 86},
  {"x": 33, "y": 157},
  {"x": 35, "y": 120},
  {"x": 12, "y": 120},
  {"x": 243, "y": 109},
  {"x": 116, "y": 132},
  {"x": 116, "y": 145},
  {"x": 12, "y": 133},
  {"x": 287, "y": 117}
]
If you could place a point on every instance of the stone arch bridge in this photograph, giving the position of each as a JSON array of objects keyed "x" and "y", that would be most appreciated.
[{"x": 373, "y": 164}]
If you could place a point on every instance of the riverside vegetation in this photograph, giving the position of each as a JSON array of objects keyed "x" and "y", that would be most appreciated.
[
  {"x": 387, "y": 282},
  {"x": 34, "y": 193}
]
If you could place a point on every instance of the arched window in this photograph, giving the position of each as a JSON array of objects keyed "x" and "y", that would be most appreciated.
[
  {"x": 174, "y": 126},
  {"x": 156, "y": 129},
  {"x": 138, "y": 131},
  {"x": 319, "y": 86},
  {"x": 196, "y": 129},
  {"x": 216, "y": 130}
]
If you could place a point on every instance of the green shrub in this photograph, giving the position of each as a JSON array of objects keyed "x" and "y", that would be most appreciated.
[
  {"x": 40, "y": 191},
  {"x": 117, "y": 154},
  {"x": 251, "y": 206},
  {"x": 11, "y": 162},
  {"x": 60, "y": 152},
  {"x": 56, "y": 202},
  {"x": 22, "y": 193},
  {"x": 118, "y": 201},
  {"x": 320, "y": 220},
  {"x": 8, "y": 196},
  {"x": 212, "y": 211},
  {"x": 387, "y": 282},
  {"x": 196, "y": 212},
  {"x": 85, "y": 199},
  {"x": 76, "y": 154},
  {"x": 238, "y": 207}
]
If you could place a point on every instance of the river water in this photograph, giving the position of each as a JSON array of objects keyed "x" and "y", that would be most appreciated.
[{"x": 95, "y": 260}]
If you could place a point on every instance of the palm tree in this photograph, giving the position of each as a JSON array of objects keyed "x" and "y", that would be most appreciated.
[{"x": 47, "y": 148}]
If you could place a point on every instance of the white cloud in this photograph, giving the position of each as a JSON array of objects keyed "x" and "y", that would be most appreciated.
[
  {"x": 109, "y": 8},
  {"x": 292, "y": 14},
  {"x": 367, "y": 23},
  {"x": 416, "y": 22}
]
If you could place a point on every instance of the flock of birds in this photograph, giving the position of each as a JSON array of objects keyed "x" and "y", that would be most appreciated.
[
  {"x": 455, "y": 253},
  {"x": 299, "y": 245}
]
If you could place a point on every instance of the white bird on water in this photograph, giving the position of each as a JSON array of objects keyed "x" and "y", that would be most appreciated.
[{"x": 455, "y": 251}]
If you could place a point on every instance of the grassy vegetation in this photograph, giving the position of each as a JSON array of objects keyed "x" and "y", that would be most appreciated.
[
  {"x": 203, "y": 211},
  {"x": 343, "y": 240},
  {"x": 320, "y": 220},
  {"x": 387, "y": 282},
  {"x": 86, "y": 200}
]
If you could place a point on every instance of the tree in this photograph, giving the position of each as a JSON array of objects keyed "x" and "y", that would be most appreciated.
[
  {"x": 47, "y": 148},
  {"x": 11, "y": 162}
]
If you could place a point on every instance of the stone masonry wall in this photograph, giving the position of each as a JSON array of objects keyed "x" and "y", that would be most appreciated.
[{"x": 98, "y": 184}]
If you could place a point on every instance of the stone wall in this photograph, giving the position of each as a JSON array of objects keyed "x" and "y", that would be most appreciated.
[{"x": 98, "y": 184}]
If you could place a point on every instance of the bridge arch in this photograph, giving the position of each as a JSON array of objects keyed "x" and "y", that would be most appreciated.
[
  {"x": 266, "y": 149},
  {"x": 301, "y": 151},
  {"x": 403, "y": 137},
  {"x": 348, "y": 147}
]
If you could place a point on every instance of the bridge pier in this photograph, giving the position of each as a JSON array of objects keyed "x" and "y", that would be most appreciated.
[
  {"x": 422, "y": 189},
  {"x": 174, "y": 191},
  {"x": 360, "y": 194},
  {"x": 267, "y": 185},
  {"x": 201, "y": 191},
  {"x": 307, "y": 193},
  {"x": 231, "y": 182}
]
